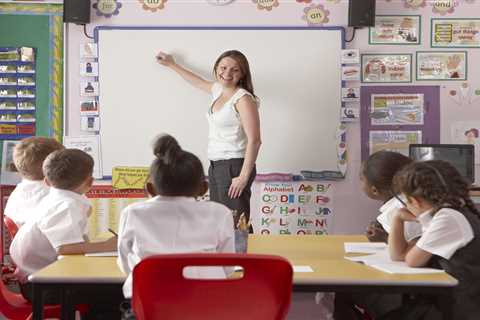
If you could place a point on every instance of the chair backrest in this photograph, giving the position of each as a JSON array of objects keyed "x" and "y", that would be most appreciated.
[
  {"x": 160, "y": 291},
  {"x": 11, "y": 226}
]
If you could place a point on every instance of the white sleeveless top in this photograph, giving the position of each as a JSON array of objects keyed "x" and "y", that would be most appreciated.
[{"x": 226, "y": 137}]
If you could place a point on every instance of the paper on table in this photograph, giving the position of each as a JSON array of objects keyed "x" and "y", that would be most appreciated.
[
  {"x": 300, "y": 269},
  {"x": 364, "y": 247},
  {"x": 102, "y": 254},
  {"x": 381, "y": 261}
]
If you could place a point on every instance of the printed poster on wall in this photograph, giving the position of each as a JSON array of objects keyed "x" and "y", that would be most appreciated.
[
  {"x": 395, "y": 30},
  {"x": 455, "y": 33},
  {"x": 397, "y": 109},
  {"x": 297, "y": 207},
  {"x": 397, "y": 141},
  {"x": 441, "y": 65},
  {"x": 391, "y": 68}
]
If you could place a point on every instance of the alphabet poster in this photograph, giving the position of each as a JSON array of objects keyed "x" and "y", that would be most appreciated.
[{"x": 296, "y": 207}]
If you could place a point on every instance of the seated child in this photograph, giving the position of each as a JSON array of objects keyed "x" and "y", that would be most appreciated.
[
  {"x": 60, "y": 225},
  {"x": 377, "y": 173},
  {"x": 173, "y": 221},
  {"x": 438, "y": 197},
  {"x": 28, "y": 157}
]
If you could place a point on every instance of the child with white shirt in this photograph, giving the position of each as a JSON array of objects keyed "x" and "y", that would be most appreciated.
[
  {"x": 173, "y": 221},
  {"x": 28, "y": 157},
  {"x": 376, "y": 177},
  {"x": 437, "y": 196},
  {"x": 60, "y": 224}
]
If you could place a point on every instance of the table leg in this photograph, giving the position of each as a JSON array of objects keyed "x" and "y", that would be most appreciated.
[{"x": 37, "y": 307}]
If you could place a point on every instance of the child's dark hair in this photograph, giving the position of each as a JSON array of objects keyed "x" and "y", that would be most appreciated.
[
  {"x": 68, "y": 168},
  {"x": 436, "y": 181},
  {"x": 380, "y": 168},
  {"x": 175, "y": 172}
]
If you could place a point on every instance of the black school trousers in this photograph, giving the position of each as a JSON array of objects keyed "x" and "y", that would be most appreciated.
[{"x": 220, "y": 175}]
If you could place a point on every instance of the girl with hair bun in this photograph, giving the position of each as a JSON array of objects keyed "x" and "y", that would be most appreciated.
[{"x": 173, "y": 221}]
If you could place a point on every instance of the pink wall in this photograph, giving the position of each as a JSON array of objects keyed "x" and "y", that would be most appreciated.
[{"x": 353, "y": 211}]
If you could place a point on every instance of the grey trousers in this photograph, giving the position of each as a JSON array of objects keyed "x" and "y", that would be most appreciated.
[{"x": 220, "y": 176}]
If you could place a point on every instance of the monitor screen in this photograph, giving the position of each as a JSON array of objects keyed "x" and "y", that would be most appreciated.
[{"x": 461, "y": 156}]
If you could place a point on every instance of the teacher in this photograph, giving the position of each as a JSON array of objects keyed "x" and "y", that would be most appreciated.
[{"x": 234, "y": 127}]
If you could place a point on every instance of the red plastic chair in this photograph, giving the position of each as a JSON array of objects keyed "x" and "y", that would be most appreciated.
[
  {"x": 11, "y": 226},
  {"x": 160, "y": 291}
]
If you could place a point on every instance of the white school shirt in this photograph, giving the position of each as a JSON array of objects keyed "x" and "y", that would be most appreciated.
[
  {"x": 411, "y": 230},
  {"x": 226, "y": 137},
  {"x": 23, "y": 201},
  {"x": 164, "y": 225},
  {"x": 61, "y": 220},
  {"x": 445, "y": 232}
]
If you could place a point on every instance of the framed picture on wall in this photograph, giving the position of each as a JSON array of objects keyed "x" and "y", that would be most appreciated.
[
  {"x": 398, "y": 29},
  {"x": 455, "y": 33},
  {"x": 441, "y": 65},
  {"x": 391, "y": 68}
]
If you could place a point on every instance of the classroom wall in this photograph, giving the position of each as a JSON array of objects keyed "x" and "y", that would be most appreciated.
[{"x": 352, "y": 210}]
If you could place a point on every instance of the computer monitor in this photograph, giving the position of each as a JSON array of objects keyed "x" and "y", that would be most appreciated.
[{"x": 461, "y": 156}]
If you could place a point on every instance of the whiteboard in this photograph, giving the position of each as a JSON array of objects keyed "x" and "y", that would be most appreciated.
[{"x": 296, "y": 74}]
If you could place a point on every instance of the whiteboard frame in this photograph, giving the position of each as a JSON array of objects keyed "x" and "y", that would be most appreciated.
[{"x": 341, "y": 136}]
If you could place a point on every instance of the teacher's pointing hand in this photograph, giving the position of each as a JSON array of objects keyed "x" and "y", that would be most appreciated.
[{"x": 165, "y": 59}]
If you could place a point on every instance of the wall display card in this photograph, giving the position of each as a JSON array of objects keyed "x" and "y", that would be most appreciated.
[
  {"x": 350, "y": 113},
  {"x": 397, "y": 141},
  {"x": 455, "y": 33},
  {"x": 395, "y": 30},
  {"x": 351, "y": 94},
  {"x": 90, "y": 145},
  {"x": 397, "y": 109},
  {"x": 441, "y": 65},
  {"x": 89, "y": 89},
  {"x": 107, "y": 203},
  {"x": 130, "y": 177},
  {"x": 350, "y": 56},
  {"x": 90, "y": 123},
  {"x": 390, "y": 68},
  {"x": 351, "y": 73},
  {"x": 89, "y": 69},
  {"x": 89, "y": 108},
  {"x": 292, "y": 207},
  {"x": 9, "y": 176},
  {"x": 88, "y": 50},
  {"x": 467, "y": 132}
]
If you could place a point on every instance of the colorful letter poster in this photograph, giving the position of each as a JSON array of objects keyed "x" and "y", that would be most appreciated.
[{"x": 455, "y": 33}]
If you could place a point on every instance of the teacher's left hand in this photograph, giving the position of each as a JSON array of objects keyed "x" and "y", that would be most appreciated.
[{"x": 237, "y": 186}]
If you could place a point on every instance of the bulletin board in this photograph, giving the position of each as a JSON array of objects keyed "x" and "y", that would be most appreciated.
[{"x": 296, "y": 74}]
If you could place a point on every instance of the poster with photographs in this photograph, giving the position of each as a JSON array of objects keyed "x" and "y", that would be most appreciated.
[
  {"x": 350, "y": 56},
  {"x": 395, "y": 30},
  {"x": 441, "y": 65},
  {"x": 397, "y": 141},
  {"x": 455, "y": 33},
  {"x": 89, "y": 108},
  {"x": 88, "y": 50},
  {"x": 391, "y": 68},
  {"x": 9, "y": 175},
  {"x": 89, "y": 89},
  {"x": 351, "y": 73},
  {"x": 397, "y": 109}
]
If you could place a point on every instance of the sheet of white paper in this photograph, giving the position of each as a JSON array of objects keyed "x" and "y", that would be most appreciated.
[
  {"x": 102, "y": 254},
  {"x": 381, "y": 261},
  {"x": 364, "y": 247},
  {"x": 90, "y": 145},
  {"x": 300, "y": 269}
]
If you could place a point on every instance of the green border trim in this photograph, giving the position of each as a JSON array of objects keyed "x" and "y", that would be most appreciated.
[
  {"x": 450, "y": 47},
  {"x": 55, "y": 67},
  {"x": 419, "y": 37},
  {"x": 444, "y": 51},
  {"x": 385, "y": 54}
]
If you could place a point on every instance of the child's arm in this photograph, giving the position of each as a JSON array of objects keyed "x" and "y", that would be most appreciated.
[
  {"x": 399, "y": 248},
  {"x": 88, "y": 247},
  {"x": 192, "y": 78}
]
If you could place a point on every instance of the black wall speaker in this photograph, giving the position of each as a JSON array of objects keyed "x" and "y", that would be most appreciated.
[
  {"x": 76, "y": 11},
  {"x": 361, "y": 13}
]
